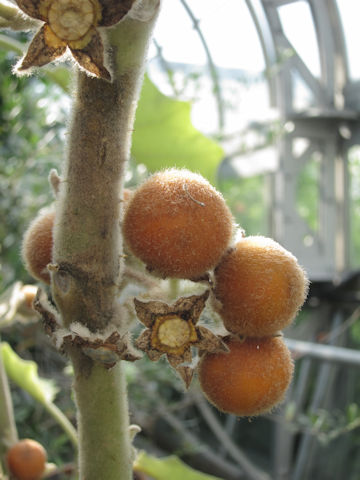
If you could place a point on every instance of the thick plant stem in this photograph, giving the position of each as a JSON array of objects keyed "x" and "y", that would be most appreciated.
[
  {"x": 103, "y": 423},
  {"x": 88, "y": 244}
]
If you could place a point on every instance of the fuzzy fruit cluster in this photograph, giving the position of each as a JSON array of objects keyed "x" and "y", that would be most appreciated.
[
  {"x": 259, "y": 288},
  {"x": 179, "y": 226}
]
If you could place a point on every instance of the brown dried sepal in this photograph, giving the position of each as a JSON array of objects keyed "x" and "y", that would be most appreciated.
[
  {"x": 172, "y": 331},
  {"x": 44, "y": 48},
  {"x": 71, "y": 24},
  {"x": 91, "y": 57},
  {"x": 107, "y": 352},
  {"x": 49, "y": 315}
]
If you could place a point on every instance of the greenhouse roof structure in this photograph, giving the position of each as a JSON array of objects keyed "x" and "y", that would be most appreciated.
[{"x": 319, "y": 104}]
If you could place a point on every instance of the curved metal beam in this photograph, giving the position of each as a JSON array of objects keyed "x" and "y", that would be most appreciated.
[
  {"x": 267, "y": 43},
  {"x": 332, "y": 49}
]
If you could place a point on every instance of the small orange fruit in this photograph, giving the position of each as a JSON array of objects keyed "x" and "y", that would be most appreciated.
[
  {"x": 260, "y": 287},
  {"x": 37, "y": 245},
  {"x": 249, "y": 380},
  {"x": 26, "y": 460},
  {"x": 178, "y": 224}
]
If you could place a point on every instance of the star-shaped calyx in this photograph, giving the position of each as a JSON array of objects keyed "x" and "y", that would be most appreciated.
[
  {"x": 71, "y": 24},
  {"x": 172, "y": 330}
]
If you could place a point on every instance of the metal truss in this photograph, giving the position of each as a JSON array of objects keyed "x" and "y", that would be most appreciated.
[{"x": 325, "y": 129}]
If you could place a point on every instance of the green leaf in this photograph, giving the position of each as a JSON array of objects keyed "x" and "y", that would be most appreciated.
[
  {"x": 168, "y": 467},
  {"x": 25, "y": 374},
  {"x": 61, "y": 76},
  {"x": 165, "y": 137},
  {"x": 353, "y": 412}
]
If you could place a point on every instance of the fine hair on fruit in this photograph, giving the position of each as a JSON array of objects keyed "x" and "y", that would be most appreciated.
[
  {"x": 37, "y": 245},
  {"x": 259, "y": 287},
  {"x": 178, "y": 224},
  {"x": 251, "y": 379}
]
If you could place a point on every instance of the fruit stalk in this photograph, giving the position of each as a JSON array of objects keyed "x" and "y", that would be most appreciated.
[{"x": 87, "y": 240}]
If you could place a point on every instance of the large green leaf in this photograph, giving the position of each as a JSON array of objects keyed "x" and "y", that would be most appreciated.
[
  {"x": 25, "y": 374},
  {"x": 165, "y": 137},
  {"x": 168, "y": 467}
]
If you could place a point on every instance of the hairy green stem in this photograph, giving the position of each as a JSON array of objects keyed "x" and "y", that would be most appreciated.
[
  {"x": 11, "y": 17},
  {"x": 88, "y": 245},
  {"x": 87, "y": 266},
  {"x": 103, "y": 426}
]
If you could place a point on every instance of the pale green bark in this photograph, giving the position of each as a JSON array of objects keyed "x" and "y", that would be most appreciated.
[{"x": 105, "y": 450}]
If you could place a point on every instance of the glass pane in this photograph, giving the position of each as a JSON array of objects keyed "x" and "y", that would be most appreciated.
[
  {"x": 349, "y": 13},
  {"x": 303, "y": 96},
  {"x": 176, "y": 36},
  {"x": 229, "y": 32},
  {"x": 182, "y": 69},
  {"x": 298, "y": 26}
]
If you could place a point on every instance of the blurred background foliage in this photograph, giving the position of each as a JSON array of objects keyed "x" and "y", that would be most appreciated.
[{"x": 32, "y": 131}]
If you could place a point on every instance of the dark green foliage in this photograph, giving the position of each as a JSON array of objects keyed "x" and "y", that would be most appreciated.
[
  {"x": 354, "y": 168},
  {"x": 246, "y": 198},
  {"x": 31, "y": 126}
]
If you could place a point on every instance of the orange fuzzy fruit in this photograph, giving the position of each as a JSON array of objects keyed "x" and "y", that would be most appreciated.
[
  {"x": 178, "y": 224},
  {"x": 26, "y": 460},
  {"x": 260, "y": 287},
  {"x": 37, "y": 246},
  {"x": 249, "y": 380},
  {"x": 126, "y": 197}
]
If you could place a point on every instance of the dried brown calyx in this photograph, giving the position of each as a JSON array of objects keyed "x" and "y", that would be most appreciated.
[
  {"x": 172, "y": 330},
  {"x": 71, "y": 24},
  {"x": 107, "y": 351},
  {"x": 106, "y": 347}
]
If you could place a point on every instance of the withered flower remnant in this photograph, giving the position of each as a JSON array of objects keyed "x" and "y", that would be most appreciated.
[
  {"x": 172, "y": 330},
  {"x": 108, "y": 351},
  {"x": 71, "y": 24},
  {"x": 106, "y": 348}
]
